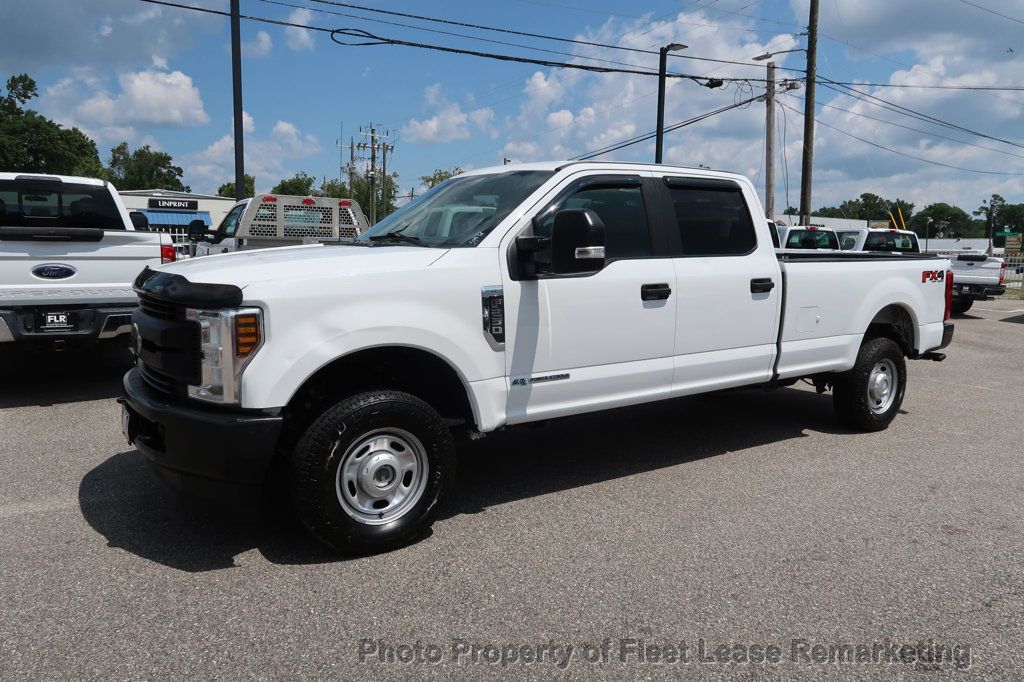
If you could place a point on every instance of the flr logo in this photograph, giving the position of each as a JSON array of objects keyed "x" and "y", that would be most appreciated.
[{"x": 933, "y": 276}]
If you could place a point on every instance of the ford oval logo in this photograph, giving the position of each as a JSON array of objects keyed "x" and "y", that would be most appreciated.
[{"x": 53, "y": 271}]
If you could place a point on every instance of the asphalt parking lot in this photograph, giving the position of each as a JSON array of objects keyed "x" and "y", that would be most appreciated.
[{"x": 743, "y": 518}]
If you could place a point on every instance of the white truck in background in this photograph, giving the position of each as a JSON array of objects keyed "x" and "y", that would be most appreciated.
[
  {"x": 269, "y": 220},
  {"x": 879, "y": 239},
  {"x": 341, "y": 371},
  {"x": 977, "y": 277},
  {"x": 69, "y": 251}
]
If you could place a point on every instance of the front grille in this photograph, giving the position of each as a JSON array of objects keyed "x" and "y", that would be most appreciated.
[
  {"x": 170, "y": 358},
  {"x": 161, "y": 310}
]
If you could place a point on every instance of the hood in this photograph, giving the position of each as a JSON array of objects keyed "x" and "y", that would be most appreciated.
[{"x": 314, "y": 261}]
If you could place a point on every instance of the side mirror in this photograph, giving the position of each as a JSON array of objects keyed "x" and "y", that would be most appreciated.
[
  {"x": 196, "y": 230},
  {"x": 577, "y": 242},
  {"x": 139, "y": 220}
]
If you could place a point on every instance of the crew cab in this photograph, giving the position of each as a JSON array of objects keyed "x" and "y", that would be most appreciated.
[
  {"x": 269, "y": 220},
  {"x": 873, "y": 239},
  {"x": 69, "y": 252},
  {"x": 344, "y": 370},
  {"x": 808, "y": 237}
]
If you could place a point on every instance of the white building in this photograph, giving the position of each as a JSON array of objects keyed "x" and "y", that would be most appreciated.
[{"x": 171, "y": 212}]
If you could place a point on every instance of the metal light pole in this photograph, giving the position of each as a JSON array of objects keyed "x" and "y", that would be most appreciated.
[
  {"x": 806, "y": 168},
  {"x": 236, "y": 87},
  {"x": 659, "y": 139}
]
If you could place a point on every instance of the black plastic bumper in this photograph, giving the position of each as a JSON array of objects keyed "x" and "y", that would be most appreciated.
[
  {"x": 217, "y": 454},
  {"x": 91, "y": 324},
  {"x": 978, "y": 292},
  {"x": 947, "y": 334}
]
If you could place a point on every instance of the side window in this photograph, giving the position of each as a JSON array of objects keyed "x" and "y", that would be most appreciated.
[
  {"x": 713, "y": 222},
  {"x": 230, "y": 224},
  {"x": 621, "y": 209}
]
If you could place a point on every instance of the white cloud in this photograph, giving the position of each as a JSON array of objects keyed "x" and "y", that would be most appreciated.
[
  {"x": 260, "y": 47},
  {"x": 248, "y": 124},
  {"x": 449, "y": 123},
  {"x": 299, "y": 39},
  {"x": 44, "y": 34},
  {"x": 146, "y": 97},
  {"x": 159, "y": 62},
  {"x": 267, "y": 158}
]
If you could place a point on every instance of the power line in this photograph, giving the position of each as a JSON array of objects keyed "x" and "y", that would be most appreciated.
[
  {"x": 369, "y": 39},
  {"x": 615, "y": 146},
  {"x": 527, "y": 34},
  {"x": 442, "y": 32},
  {"x": 904, "y": 154},
  {"x": 998, "y": 88},
  {"x": 891, "y": 106},
  {"x": 991, "y": 11},
  {"x": 918, "y": 130}
]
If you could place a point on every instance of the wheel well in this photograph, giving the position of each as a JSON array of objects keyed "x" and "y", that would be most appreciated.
[
  {"x": 894, "y": 322},
  {"x": 412, "y": 370}
]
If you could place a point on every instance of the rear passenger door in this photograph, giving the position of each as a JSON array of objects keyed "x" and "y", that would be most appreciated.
[{"x": 729, "y": 285}]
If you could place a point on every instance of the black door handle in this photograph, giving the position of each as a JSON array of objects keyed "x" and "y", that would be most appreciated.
[
  {"x": 761, "y": 285},
  {"x": 655, "y": 292}
]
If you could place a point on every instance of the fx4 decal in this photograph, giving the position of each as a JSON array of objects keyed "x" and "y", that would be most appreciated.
[{"x": 933, "y": 276}]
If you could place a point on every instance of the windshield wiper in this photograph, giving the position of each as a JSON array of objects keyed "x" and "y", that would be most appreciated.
[{"x": 394, "y": 236}]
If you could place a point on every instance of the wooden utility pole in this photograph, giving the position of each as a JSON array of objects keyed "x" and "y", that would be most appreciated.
[
  {"x": 769, "y": 145},
  {"x": 806, "y": 169}
]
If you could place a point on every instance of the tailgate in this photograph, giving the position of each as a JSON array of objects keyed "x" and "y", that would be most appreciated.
[
  {"x": 976, "y": 269},
  {"x": 86, "y": 272}
]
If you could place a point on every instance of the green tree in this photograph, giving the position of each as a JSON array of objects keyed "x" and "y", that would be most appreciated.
[
  {"x": 1012, "y": 216},
  {"x": 947, "y": 220},
  {"x": 34, "y": 144},
  {"x": 989, "y": 212},
  {"x": 143, "y": 168},
  {"x": 440, "y": 175},
  {"x": 299, "y": 185},
  {"x": 228, "y": 188},
  {"x": 868, "y": 206}
]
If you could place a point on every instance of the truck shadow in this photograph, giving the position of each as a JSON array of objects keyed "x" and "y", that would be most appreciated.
[
  {"x": 44, "y": 377},
  {"x": 125, "y": 504}
]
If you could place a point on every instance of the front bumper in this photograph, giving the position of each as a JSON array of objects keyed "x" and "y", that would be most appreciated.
[
  {"x": 977, "y": 292},
  {"x": 213, "y": 453},
  {"x": 19, "y": 325}
]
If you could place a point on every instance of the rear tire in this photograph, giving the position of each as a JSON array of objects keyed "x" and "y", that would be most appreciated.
[
  {"x": 369, "y": 474},
  {"x": 959, "y": 306},
  {"x": 868, "y": 396}
]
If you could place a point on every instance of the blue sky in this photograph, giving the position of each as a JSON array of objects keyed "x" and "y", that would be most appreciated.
[{"x": 121, "y": 69}]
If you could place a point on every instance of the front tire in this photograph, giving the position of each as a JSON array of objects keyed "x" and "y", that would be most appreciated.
[
  {"x": 868, "y": 396},
  {"x": 369, "y": 474},
  {"x": 959, "y": 306}
]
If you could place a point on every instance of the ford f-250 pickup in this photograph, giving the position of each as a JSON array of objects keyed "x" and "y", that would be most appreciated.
[
  {"x": 69, "y": 252},
  {"x": 575, "y": 287}
]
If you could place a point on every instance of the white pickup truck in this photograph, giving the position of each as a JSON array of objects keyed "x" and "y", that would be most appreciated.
[
  {"x": 977, "y": 276},
  {"x": 345, "y": 369},
  {"x": 69, "y": 252},
  {"x": 269, "y": 220}
]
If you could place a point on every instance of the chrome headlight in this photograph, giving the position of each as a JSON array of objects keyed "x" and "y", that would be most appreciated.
[{"x": 229, "y": 340}]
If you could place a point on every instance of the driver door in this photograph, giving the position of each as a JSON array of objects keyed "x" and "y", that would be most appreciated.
[{"x": 595, "y": 340}]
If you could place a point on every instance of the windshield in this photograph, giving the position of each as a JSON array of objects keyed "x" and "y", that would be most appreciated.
[
  {"x": 891, "y": 241},
  {"x": 33, "y": 201},
  {"x": 229, "y": 225},
  {"x": 457, "y": 212}
]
